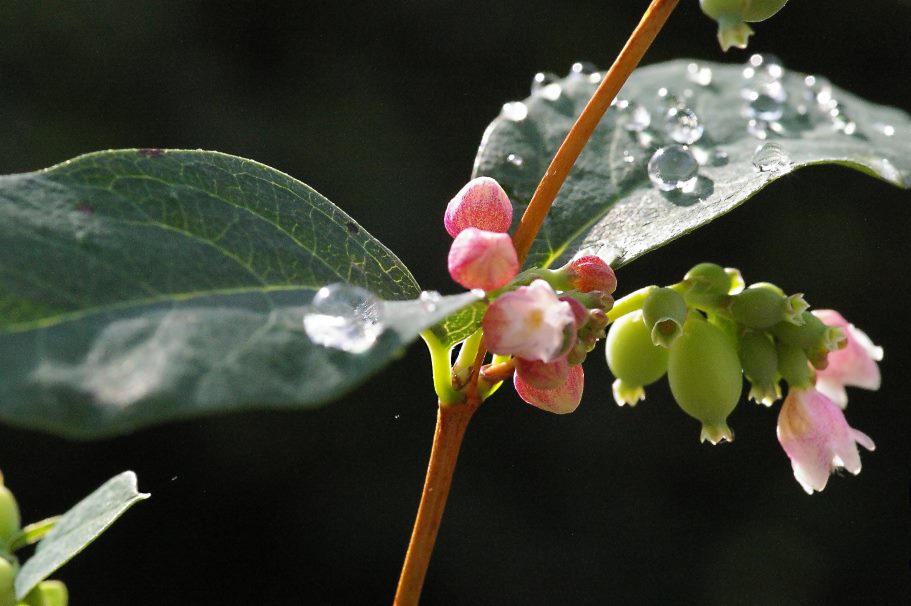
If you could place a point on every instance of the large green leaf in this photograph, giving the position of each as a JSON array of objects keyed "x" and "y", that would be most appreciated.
[
  {"x": 608, "y": 205},
  {"x": 77, "y": 528},
  {"x": 141, "y": 286}
]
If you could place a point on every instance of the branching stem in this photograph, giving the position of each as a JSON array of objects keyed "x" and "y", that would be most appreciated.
[{"x": 452, "y": 419}]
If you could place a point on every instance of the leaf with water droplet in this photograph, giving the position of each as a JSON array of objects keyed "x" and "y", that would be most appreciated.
[
  {"x": 609, "y": 203},
  {"x": 183, "y": 292}
]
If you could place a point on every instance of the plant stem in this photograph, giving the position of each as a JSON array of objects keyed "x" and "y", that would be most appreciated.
[
  {"x": 652, "y": 21},
  {"x": 452, "y": 421}
]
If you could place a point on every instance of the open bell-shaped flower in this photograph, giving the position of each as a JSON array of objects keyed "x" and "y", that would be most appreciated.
[
  {"x": 853, "y": 365},
  {"x": 817, "y": 438},
  {"x": 530, "y": 322}
]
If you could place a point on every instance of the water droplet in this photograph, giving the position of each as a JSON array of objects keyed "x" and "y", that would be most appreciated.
[
  {"x": 719, "y": 158},
  {"x": 583, "y": 68},
  {"x": 771, "y": 157},
  {"x": 543, "y": 79},
  {"x": 683, "y": 125},
  {"x": 343, "y": 316},
  {"x": 758, "y": 128},
  {"x": 886, "y": 129},
  {"x": 628, "y": 156},
  {"x": 841, "y": 122},
  {"x": 430, "y": 299},
  {"x": 396, "y": 416},
  {"x": 668, "y": 100},
  {"x": 551, "y": 92},
  {"x": 516, "y": 160},
  {"x": 699, "y": 75},
  {"x": 515, "y": 111},
  {"x": 634, "y": 116},
  {"x": 673, "y": 168},
  {"x": 765, "y": 106},
  {"x": 763, "y": 68}
]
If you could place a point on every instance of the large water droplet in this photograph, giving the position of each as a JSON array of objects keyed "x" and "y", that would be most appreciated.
[
  {"x": 343, "y": 316},
  {"x": 673, "y": 168},
  {"x": 698, "y": 74},
  {"x": 771, "y": 157},
  {"x": 634, "y": 117},
  {"x": 515, "y": 111},
  {"x": 683, "y": 125},
  {"x": 765, "y": 106},
  {"x": 543, "y": 79},
  {"x": 516, "y": 160}
]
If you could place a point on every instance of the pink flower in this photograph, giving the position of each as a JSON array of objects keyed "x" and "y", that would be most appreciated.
[
  {"x": 853, "y": 365},
  {"x": 560, "y": 400},
  {"x": 482, "y": 259},
  {"x": 817, "y": 438},
  {"x": 542, "y": 375},
  {"x": 483, "y": 204},
  {"x": 530, "y": 322},
  {"x": 592, "y": 273}
]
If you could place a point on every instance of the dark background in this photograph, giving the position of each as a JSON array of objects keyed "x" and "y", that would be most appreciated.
[{"x": 380, "y": 106}]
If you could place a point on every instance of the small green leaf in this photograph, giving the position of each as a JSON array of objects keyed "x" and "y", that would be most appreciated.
[
  {"x": 608, "y": 205},
  {"x": 137, "y": 287},
  {"x": 77, "y": 528}
]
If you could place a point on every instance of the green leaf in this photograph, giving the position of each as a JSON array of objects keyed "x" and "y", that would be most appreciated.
[
  {"x": 32, "y": 533},
  {"x": 461, "y": 325},
  {"x": 141, "y": 286},
  {"x": 77, "y": 528},
  {"x": 608, "y": 205}
]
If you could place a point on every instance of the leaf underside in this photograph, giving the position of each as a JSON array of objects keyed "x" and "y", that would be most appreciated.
[
  {"x": 140, "y": 286},
  {"x": 608, "y": 206},
  {"x": 77, "y": 528}
]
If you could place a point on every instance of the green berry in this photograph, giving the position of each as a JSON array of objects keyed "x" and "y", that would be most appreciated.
[
  {"x": 664, "y": 312},
  {"x": 760, "y": 366},
  {"x": 705, "y": 377},
  {"x": 794, "y": 365},
  {"x": 758, "y": 308},
  {"x": 709, "y": 278},
  {"x": 8, "y": 571},
  {"x": 48, "y": 593},
  {"x": 10, "y": 520},
  {"x": 633, "y": 358}
]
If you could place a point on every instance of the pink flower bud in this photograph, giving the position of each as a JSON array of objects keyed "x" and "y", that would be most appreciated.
[
  {"x": 817, "y": 438},
  {"x": 592, "y": 273},
  {"x": 482, "y": 204},
  {"x": 854, "y": 364},
  {"x": 530, "y": 322},
  {"x": 482, "y": 259},
  {"x": 542, "y": 375},
  {"x": 560, "y": 400}
]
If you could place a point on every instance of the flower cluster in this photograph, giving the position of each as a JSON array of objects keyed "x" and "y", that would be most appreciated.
[
  {"x": 545, "y": 321},
  {"x": 708, "y": 332}
]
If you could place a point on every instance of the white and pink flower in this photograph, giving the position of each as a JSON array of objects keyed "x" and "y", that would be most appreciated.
[
  {"x": 482, "y": 259},
  {"x": 854, "y": 365},
  {"x": 817, "y": 438},
  {"x": 530, "y": 322}
]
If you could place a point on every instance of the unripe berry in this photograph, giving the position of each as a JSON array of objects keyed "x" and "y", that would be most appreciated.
[
  {"x": 482, "y": 259},
  {"x": 48, "y": 593},
  {"x": 731, "y": 16},
  {"x": 563, "y": 399},
  {"x": 760, "y": 366},
  {"x": 482, "y": 204},
  {"x": 664, "y": 312},
  {"x": 705, "y": 377},
  {"x": 8, "y": 571},
  {"x": 633, "y": 359},
  {"x": 709, "y": 278},
  {"x": 793, "y": 365},
  {"x": 10, "y": 520},
  {"x": 758, "y": 308}
]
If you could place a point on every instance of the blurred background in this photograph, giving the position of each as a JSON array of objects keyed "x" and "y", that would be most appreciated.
[{"x": 380, "y": 106}]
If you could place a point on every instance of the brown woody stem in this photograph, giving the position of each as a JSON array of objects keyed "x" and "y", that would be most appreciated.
[
  {"x": 652, "y": 21},
  {"x": 452, "y": 419}
]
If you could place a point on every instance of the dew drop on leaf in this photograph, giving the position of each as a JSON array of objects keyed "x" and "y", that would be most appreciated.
[
  {"x": 698, "y": 74},
  {"x": 673, "y": 168},
  {"x": 515, "y": 160},
  {"x": 515, "y": 111},
  {"x": 683, "y": 125},
  {"x": 543, "y": 79},
  {"x": 771, "y": 157},
  {"x": 344, "y": 316},
  {"x": 583, "y": 68},
  {"x": 635, "y": 117}
]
